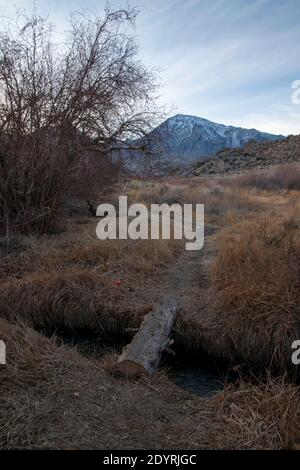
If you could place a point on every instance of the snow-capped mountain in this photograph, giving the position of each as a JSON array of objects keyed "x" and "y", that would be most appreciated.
[{"x": 183, "y": 139}]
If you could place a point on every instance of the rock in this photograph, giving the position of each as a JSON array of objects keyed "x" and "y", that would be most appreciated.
[{"x": 252, "y": 155}]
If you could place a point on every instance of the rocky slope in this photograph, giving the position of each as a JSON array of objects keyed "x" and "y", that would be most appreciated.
[
  {"x": 183, "y": 139},
  {"x": 252, "y": 155}
]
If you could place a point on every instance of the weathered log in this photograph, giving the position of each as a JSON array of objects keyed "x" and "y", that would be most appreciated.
[{"x": 142, "y": 356}]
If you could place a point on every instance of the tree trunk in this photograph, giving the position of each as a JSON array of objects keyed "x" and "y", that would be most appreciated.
[{"x": 142, "y": 356}]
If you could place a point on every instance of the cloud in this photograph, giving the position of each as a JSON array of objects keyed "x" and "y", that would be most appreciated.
[
  {"x": 226, "y": 59},
  {"x": 271, "y": 123},
  {"x": 233, "y": 62}
]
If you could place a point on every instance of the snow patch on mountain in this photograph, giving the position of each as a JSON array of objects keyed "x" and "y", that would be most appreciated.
[{"x": 183, "y": 138}]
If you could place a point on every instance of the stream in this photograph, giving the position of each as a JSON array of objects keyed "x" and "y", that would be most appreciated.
[
  {"x": 198, "y": 375},
  {"x": 201, "y": 380}
]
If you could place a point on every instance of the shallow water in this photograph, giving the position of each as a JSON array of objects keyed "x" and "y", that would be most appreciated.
[
  {"x": 201, "y": 379},
  {"x": 198, "y": 380}
]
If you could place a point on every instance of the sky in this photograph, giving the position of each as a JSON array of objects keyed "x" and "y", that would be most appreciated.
[{"x": 230, "y": 61}]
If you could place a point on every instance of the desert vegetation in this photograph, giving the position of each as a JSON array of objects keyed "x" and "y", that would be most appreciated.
[
  {"x": 283, "y": 177},
  {"x": 69, "y": 284},
  {"x": 69, "y": 302}
]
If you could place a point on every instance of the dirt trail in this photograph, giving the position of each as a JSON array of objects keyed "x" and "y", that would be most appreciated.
[
  {"x": 188, "y": 273},
  {"x": 188, "y": 279}
]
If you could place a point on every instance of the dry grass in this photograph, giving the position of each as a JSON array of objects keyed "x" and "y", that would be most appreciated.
[
  {"x": 265, "y": 415},
  {"x": 91, "y": 286},
  {"x": 249, "y": 314},
  {"x": 54, "y": 398},
  {"x": 72, "y": 300},
  {"x": 73, "y": 281},
  {"x": 26, "y": 383},
  {"x": 257, "y": 291},
  {"x": 80, "y": 247},
  {"x": 283, "y": 177},
  {"x": 223, "y": 203}
]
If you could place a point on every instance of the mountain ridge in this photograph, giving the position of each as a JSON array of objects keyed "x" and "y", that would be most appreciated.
[{"x": 185, "y": 138}]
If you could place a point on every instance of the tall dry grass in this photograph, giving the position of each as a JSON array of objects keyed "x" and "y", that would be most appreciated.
[
  {"x": 74, "y": 281},
  {"x": 223, "y": 202},
  {"x": 261, "y": 415},
  {"x": 256, "y": 282}
]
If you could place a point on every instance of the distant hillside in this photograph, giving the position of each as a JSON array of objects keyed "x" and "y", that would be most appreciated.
[
  {"x": 183, "y": 139},
  {"x": 252, "y": 155}
]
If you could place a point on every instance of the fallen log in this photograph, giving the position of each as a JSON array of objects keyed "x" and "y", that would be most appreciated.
[{"x": 142, "y": 356}]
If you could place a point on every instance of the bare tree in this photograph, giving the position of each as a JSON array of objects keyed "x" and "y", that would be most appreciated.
[{"x": 66, "y": 109}]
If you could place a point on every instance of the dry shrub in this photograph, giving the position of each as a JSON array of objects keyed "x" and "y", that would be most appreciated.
[
  {"x": 256, "y": 282},
  {"x": 284, "y": 177},
  {"x": 67, "y": 109},
  {"x": 258, "y": 416}
]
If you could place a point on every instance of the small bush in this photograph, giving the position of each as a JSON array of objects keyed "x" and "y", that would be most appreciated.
[{"x": 283, "y": 177}]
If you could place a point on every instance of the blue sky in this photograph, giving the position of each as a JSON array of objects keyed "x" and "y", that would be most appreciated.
[{"x": 231, "y": 61}]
